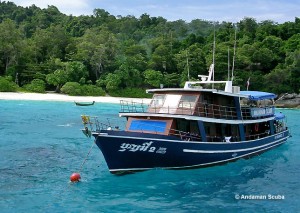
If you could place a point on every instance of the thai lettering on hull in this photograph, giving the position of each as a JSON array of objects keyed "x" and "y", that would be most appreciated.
[{"x": 145, "y": 147}]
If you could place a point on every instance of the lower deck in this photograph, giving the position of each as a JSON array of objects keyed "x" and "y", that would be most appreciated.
[
  {"x": 205, "y": 131},
  {"x": 195, "y": 130}
]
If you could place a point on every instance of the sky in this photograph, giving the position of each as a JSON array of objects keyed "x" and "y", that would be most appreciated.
[{"x": 279, "y": 11}]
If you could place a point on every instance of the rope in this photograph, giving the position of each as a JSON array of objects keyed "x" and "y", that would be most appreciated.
[
  {"x": 81, "y": 166},
  {"x": 68, "y": 186}
]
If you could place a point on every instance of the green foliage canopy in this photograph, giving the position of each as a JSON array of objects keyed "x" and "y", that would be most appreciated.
[{"x": 126, "y": 53}]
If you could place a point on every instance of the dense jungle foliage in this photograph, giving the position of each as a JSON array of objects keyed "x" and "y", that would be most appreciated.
[{"x": 44, "y": 49}]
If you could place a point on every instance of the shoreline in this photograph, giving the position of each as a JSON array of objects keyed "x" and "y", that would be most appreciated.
[
  {"x": 51, "y": 96},
  {"x": 66, "y": 98}
]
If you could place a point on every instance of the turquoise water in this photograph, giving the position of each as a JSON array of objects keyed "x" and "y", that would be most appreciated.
[{"x": 41, "y": 146}]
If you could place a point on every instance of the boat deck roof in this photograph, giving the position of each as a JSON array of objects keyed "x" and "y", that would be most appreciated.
[{"x": 252, "y": 95}]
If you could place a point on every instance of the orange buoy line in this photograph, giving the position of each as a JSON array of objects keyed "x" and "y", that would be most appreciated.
[{"x": 75, "y": 177}]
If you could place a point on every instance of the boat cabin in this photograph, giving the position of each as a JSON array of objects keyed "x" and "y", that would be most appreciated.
[{"x": 204, "y": 115}]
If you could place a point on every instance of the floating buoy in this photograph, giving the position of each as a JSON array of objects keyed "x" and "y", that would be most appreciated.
[{"x": 75, "y": 177}]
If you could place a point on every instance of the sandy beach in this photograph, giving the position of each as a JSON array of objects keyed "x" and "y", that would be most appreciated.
[{"x": 62, "y": 97}]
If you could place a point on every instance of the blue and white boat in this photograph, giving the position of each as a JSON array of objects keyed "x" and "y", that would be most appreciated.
[{"x": 196, "y": 126}]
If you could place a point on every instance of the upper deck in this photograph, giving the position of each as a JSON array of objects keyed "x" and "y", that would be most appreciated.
[
  {"x": 206, "y": 103},
  {"x": 205, "y": 98}
]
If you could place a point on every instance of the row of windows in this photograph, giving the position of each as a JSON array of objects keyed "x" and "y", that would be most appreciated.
[{"x": 184, "y": 101}]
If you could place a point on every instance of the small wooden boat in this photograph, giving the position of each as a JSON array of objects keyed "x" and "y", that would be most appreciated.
[{"x": 84, "y": 103}]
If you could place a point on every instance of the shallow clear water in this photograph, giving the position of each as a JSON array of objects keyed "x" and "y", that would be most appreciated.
[{"x": 41, "y": 145}]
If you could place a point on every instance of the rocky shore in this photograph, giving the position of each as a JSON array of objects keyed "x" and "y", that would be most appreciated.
[{"x": 288, "y": 101}]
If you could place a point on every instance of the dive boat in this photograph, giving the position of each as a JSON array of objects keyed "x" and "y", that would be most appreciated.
[{"x": 199, "y": 125}]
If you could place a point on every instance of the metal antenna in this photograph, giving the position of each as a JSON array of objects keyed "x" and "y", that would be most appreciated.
[
  {"x": 214, "y": 49},
  {"x": 234, "y": 48},
  {"x": 187, "y": 64},
  {"x": 228, "y": 78}
]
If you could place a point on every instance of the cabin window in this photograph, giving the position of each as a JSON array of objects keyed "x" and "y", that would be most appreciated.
[
  {"x": 188, "y": 101},
  {"x": 188, "y": 126},
  {"x": 148, "y": 126},
  {"x": 207, "y": 98},
  {"x": 157, "y": 101}
]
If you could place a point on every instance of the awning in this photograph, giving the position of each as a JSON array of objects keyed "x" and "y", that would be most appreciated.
[
  {"x": 279, "y": 116},
  {"x": 257, "y": 95}
]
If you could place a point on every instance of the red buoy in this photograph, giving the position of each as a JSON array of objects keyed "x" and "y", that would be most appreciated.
[{"x": 75, "y": 177}]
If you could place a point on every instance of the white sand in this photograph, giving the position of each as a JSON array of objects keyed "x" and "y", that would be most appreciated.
[{"x": 61, "y": 97}]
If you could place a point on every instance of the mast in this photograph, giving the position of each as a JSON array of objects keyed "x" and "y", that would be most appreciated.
[
  {"x": 233, "y": 59},
  {"x": 214, "y": 49},
  {"x": 187, "y": 64},
  {"x": 228, "y": 70}
]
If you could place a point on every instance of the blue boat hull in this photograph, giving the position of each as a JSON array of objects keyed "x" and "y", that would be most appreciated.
[{"x": 136, "y": 152}]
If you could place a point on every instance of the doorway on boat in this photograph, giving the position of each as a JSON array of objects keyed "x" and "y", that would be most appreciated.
[
  {"x": 188, "y": 130},
  {"x": 219, "y": 132}
]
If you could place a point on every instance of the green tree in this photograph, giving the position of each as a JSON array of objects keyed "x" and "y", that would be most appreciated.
[
  {"x": 97, "y": 48},
  {"x": 264, "y": 58},
  {"x": 193, "y": 60},
  {"x": 171, "y": 79},
  {"x": 293, "y": 67},
  {"x": 265, "y": 29},
  {"x": 69, "y": 72},
  {"x": 49, "y": 43},
  {"x": 7, "y": 85},
  {"x": 136, "y": 57},
  {"x": 112, "y": 82},
  {"x": 36, "y": 85},
  {"x": 293, "y": 43},
  {"x": 129, "y": 76},
  {"x": 153, "y": 78},
  {"x": 277, "y": 81},
  {"x": 58, "y": 78},
  {"x": 10, "y": 44},
  {"x": 248, "y": 26}
]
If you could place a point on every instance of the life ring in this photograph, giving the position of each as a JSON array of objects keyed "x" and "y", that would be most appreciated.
[
  {"x": 85, "y": 119},
  {"x": 256, "y": 127}
]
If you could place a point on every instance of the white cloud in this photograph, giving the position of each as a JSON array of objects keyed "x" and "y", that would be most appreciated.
[
  {"x": 74, "y": 7},
  {"x": 212, "y": 10}
]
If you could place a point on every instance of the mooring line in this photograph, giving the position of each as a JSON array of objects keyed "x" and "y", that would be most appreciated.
[
  {"x": 81, "y": 166},
  {"x": 68, "y": 186}
]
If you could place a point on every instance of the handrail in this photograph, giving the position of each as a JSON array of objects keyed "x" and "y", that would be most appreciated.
[
  {"x": 197, "y": 109},
  {"x": 95, "y": 125},
  {"x": 132, "y": 106}
]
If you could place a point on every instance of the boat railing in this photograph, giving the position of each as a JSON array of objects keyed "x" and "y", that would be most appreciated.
[
  {"x": 184, "y": 108},
  {"x": 223, "y": 139},
  {"x": 237, "y": 138},
  {"x": 257, "y": 136},
  {"x": 132, "y": 106},
  {"x": 216, "y": 111},
  {"x": 93, "y": 123},
  {"x": 199, "y": 109}
]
